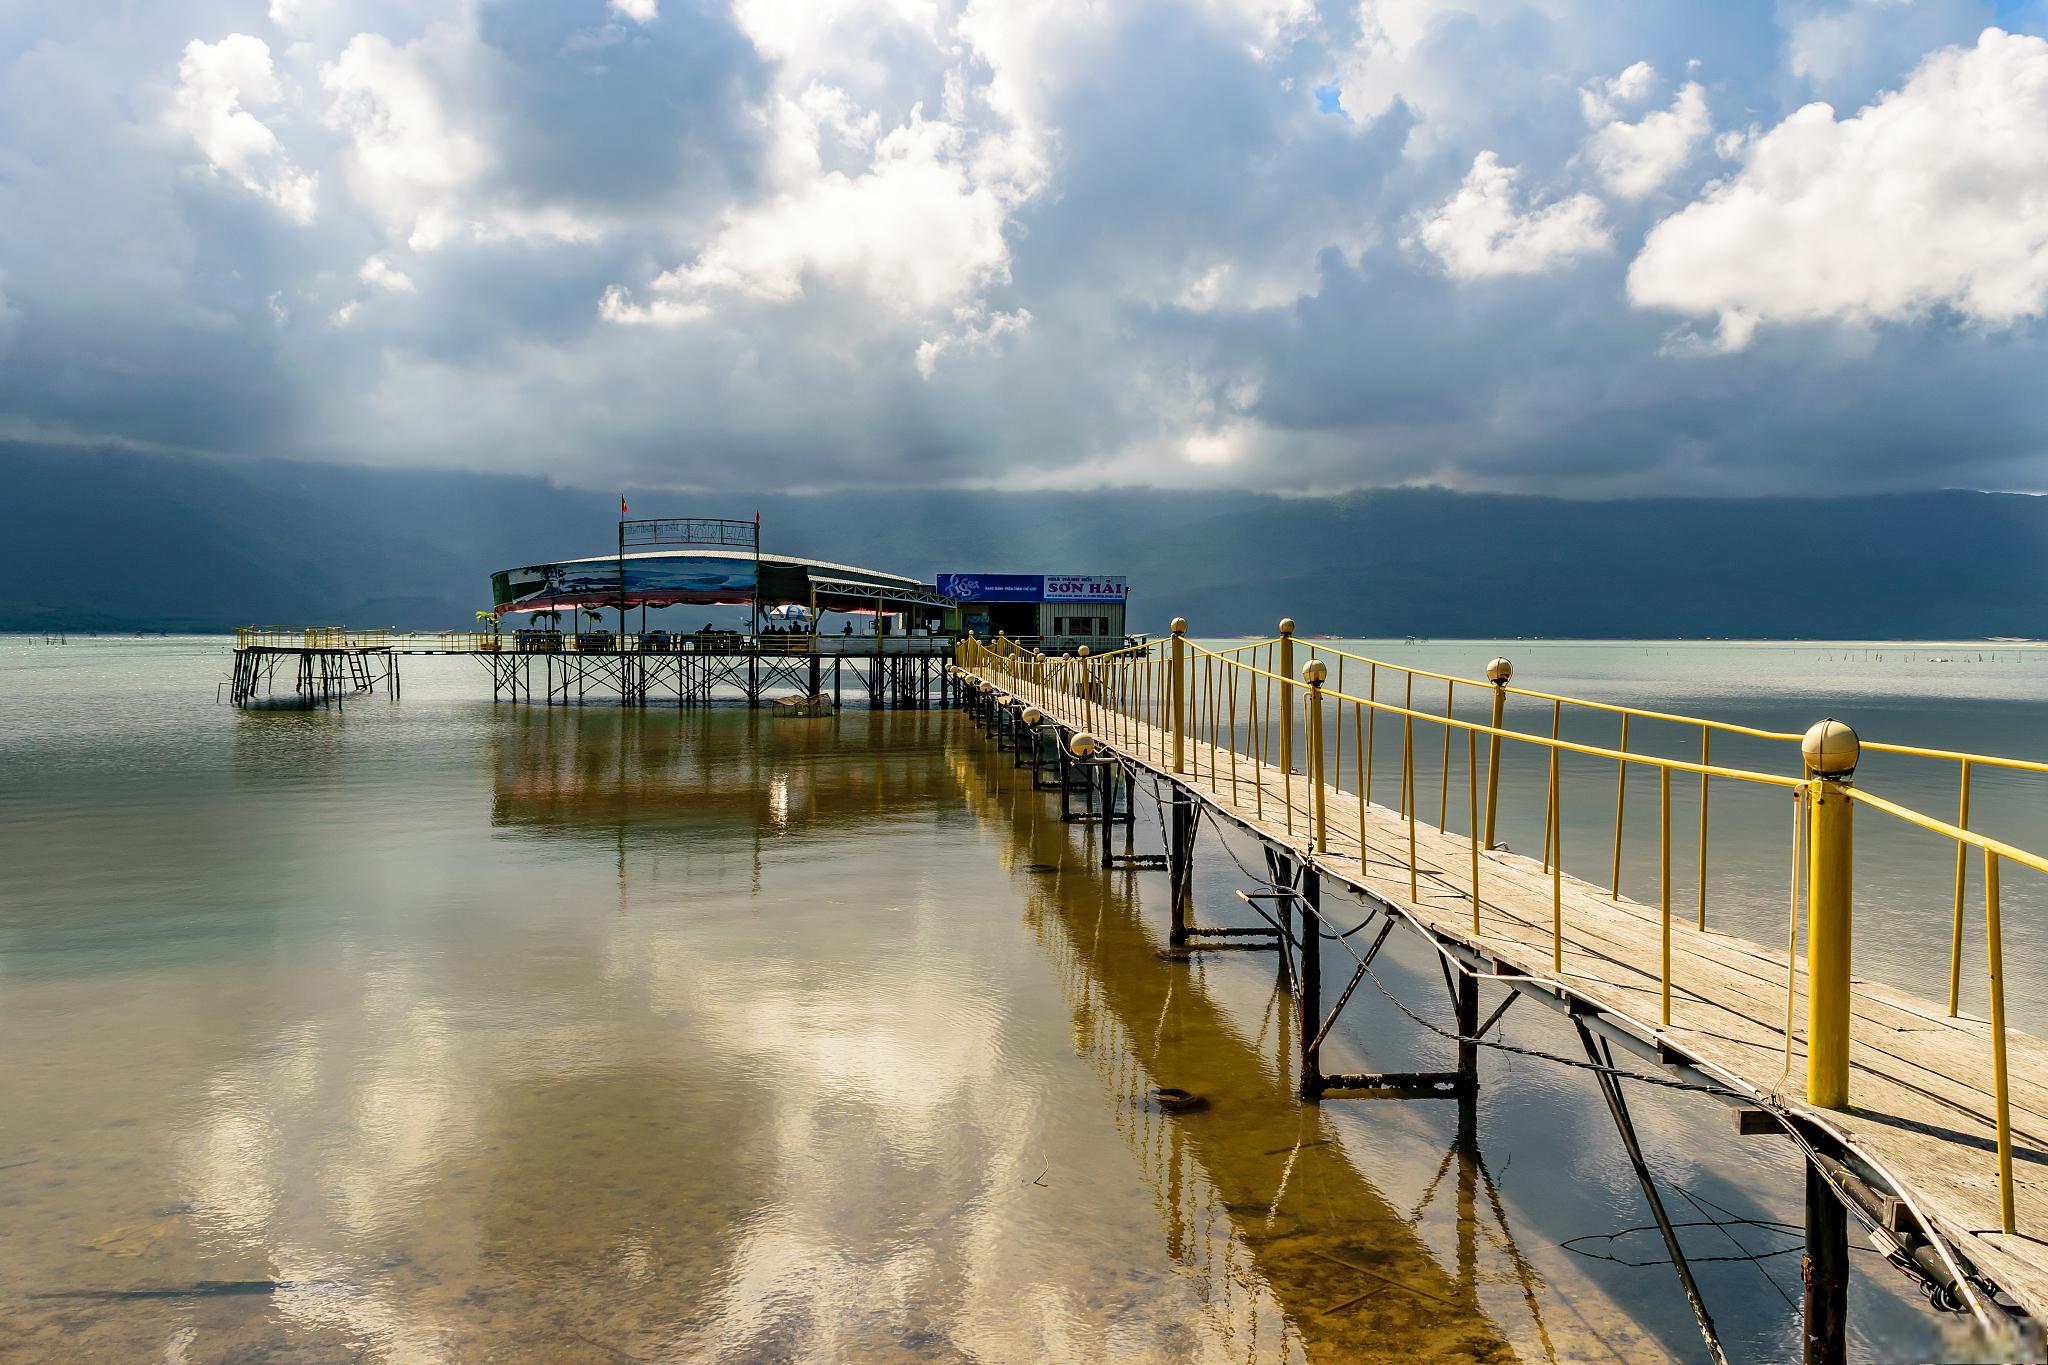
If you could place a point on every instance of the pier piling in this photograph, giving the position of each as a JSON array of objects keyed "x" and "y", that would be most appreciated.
[
  {"x": 1310, "y": 990},
  {"x": 1180, "y": 858},
  {"x": 1824, "y": 1273}
]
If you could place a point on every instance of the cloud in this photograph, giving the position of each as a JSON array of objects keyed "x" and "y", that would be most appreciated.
[
  {"x": 914, "y": 230},
  {"x": 974, "y": 329},
  {"x": 216, "y": 84},
  {"x": 414, "y": 160},
  {"x": 1935, "y": 196},
  {"x": 1636, "y": 159},
  {"x": 10, "y": 320},
  {"x": 639, "y": 11},
  {"x": 1062, "y": 242},
  {"x": 908, "y": 213},
  {"x": 1483, "y": 231},
  {"x": 381, "y": 273}
]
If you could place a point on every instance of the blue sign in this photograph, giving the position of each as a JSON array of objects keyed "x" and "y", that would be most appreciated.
[
  {"x": 992, "y": 587},
  {"x": 1085, "y": 588}
]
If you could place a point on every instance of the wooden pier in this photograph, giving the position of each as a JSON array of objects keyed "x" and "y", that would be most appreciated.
[{"x": 1937, "y": 1145}]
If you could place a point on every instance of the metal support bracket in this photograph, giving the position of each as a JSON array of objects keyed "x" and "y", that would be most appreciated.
[{"x": 1602, "y": 1057}]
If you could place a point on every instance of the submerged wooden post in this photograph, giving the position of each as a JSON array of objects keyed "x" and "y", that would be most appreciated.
[
  {"x": 1311, "y": 992},
  {"x": 1830, "y": 750},
  {"x": 1825, "y": 1272},
  {"x": 1177, "y": 668},
  {"x": 1498, "y": 671},
  {"x": 1468, "y": 1030},
  {"x": 1180, "y": 861},
  {"x": 1108, "y": 812}
]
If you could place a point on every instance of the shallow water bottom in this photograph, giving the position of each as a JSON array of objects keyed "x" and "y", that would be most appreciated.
[{"x": 459, "y": 1034}]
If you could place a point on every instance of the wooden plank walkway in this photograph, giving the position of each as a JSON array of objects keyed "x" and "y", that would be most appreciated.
[{"x": 1921, "y": 1105}]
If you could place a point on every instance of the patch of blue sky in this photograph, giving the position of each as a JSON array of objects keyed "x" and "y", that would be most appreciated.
[{"x": 2022, "y": 16}]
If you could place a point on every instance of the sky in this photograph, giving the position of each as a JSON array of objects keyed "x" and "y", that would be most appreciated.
[{"x": 1580, "y": 247}]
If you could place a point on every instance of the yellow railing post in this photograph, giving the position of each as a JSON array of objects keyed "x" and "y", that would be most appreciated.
[
  {"x": 1830, "y": 750},
  {"x": 1664, "y": 811},
  {"x": 1176, "y": 677},
  {"x": 1408, "y": 801},
  {"x": 1471, "y": 816},
  {"x": 1286, "y": 672},
  {"x": 1955, "y": 942},
  {"x": 1443, "y": 795},
  {"x": 1498, "y": 674},
  {"x": 1706, "y": 757},
  {"x": 2002, "y": 1105},
  {"x": 1313, "y": 672},
  {"x": 1620, "y": 809},
  {"x": 1555, "y": 819},
  {"x": 1553, "y": 823}
]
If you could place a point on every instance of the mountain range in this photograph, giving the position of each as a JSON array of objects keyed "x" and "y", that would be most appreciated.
[{"x": 112, "y": 539}]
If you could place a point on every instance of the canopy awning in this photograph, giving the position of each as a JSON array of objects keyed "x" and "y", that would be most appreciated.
[
  {"x": 905, "y": 594},
  {"x": 704, "y": 577}
]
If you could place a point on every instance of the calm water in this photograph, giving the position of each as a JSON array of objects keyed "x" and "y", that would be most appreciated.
[{"x": 434, "y": 1031}]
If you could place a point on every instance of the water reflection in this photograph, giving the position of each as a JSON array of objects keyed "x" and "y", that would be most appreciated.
[
  {"x": 1258, "y": 1194},
  {"x": 608, "y": 1035}
]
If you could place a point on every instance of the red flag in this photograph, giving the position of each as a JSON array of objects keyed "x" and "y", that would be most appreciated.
[
  {"x": 622, "y": 504},
  {"x": 757, "y": 519}
]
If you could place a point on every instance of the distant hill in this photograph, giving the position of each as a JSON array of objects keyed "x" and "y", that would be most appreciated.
[{"x": 113, "y": 540}]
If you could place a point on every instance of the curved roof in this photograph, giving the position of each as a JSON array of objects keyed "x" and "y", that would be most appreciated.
[{"x": 704, "y": 577}]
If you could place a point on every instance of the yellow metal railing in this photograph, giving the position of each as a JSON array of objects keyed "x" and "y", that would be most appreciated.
[
  {"x": 310, "y": 637},
  {"x": 344, "y": 637},
  {"x": 1706, "y": 729},
  {"x": 1227, "y": 718}
]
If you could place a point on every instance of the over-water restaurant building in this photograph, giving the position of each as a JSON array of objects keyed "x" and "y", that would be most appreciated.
[
  {"x": 1055, "y": 612},
  {"x": 718, "y": 577}
]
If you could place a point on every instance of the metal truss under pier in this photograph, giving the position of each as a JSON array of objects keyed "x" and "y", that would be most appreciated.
[
  {"x": 908, "y": 672},
  {"x": 319, "y": 676},
  {"x": 635, "y": 678}
]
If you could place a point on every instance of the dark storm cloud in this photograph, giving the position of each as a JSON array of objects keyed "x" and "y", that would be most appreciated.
[
  {"x": 884, "y": 245},
  {"x": 592, "y": 109}
]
